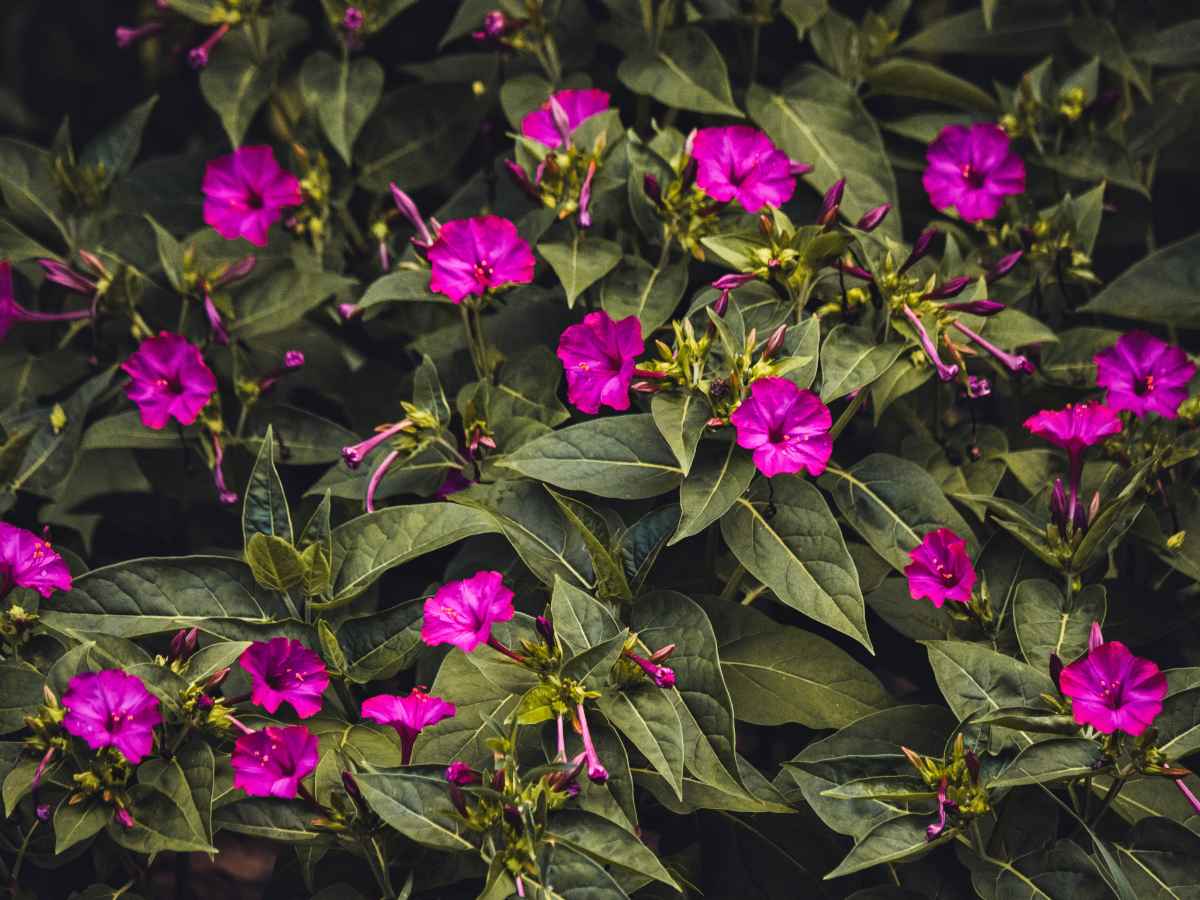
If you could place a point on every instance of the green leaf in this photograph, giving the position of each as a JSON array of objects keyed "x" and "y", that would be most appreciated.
[
  {"x": 417, "y": 805},
  {"x": 265, "y": 510},
  {"x": 1057, "y": 759},
  {"x": 302, "y": 438},
  {"x": 366, "y": 547},
  {"x": 892, "y": 503},
  {"x": 897, "y": 840},
  {"x": 402, "y": 286},
  {"x": 681, "y": 418},
  {"x": 1159, "y": 856},
  {"x": 580, "y": 621},
  {"x": 169, "y": 777},
  {"x": 649, "y": 720},
  {"x": 976, "y": 680},
  {"x": 379, "y": 645},
  {"x": 155, "y": 595},
  {"x": 913, "y": 78},
  {"x": 1032, "y": 34},
  {"x": 607, "y": 843},
  {"x": 642, "y": 542},
  {"x": 344, "y": 94},
  {"x": 788, "y": 675},
  {"x": 1045, "y": 625},
  {"x": 159, "y": 823},
  {"x": 818, "y": 119},
  {"x": 80, "y": 822},
  {"x": 635, "y": 288},
  {"x": 478, "y": 701},
  {"x": 803, "y": 14},
  {"x": 720, "y": 475},
  {"x": 1179, "y": 723},
  {"x": 282, "y": 299},
  {"x": 537, "y": 529},
  {"x": 235, "y": 84},
  {"x": 799, "y": 553},
  {"x": 686, "y": 72},
  {"x": 1178, "y": 45},
  {"x": 113, "y": 151},
  {"x": 20, "y": 694},
  {"x": 276, "y": 564},
  {"x": 286, "y": 821},
  {"x": 126, "y": 431},
  {"x": 852, "y": 359},
  {"x": 28, "y": 187},
  {"x": 622, "y": 457},
  {"x": 667, "y": 617},
  {"x": 581, "y": 263},
  {"x": 1160, "y": 288},
  {"x": 416, "y": 135},
  {"x": 611, "y": 583}
]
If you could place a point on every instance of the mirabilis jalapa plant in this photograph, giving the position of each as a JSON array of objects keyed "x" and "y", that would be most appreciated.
[{"x": 713, "y": 448}]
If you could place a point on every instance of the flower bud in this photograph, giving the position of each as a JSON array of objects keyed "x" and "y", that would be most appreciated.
[
  {"x": 123, "y": 817},
  {"x": 1056, "y": 667},
  {"x": 42, "y": 811},
  {"x": 351, "y": 787},
  {"x": 353, "y": 20},
  {"x": 977, "y": 307},
  {"x": 920, "y": 248},
  {"x": 852, "y": 269},
  {"x": 952, "y": 287},
  {"x": 1004, "y": 266},
  {"x": 651, "y": 188},
  {"x": 546, "y": 629},
  {"x": 458, "y": 772},
  {"x": 183, "y": 644},
  {"x": 831, "y": 202},
  {"x": 775, "y": 342},
  {"x": 872, "y": 218}
]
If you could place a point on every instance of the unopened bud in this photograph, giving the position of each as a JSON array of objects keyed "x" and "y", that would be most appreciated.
[
  {"x": 977, "y": 307},
  {"x": 1004, "y": 266},
  {"x": 920, "y": 248},
  {"x": 1056, "y": 667},
  {"x": 651, "y": 188},
  {"x": 831, "y": 203},
  {"x": 775, "y": 342},
  {"x": 872, "y": 218},
  {"x": 952, "y": 287},
  {"x": 1175, "y": 541},
  {"x": 546, "y": 629}
]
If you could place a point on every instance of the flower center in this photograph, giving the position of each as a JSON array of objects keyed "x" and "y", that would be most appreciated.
[
  {"x": 169, "y": 385},
  {"x": 483, "y": 272},
  {"x": 254, "y": 200},
  {"x": 289, "y": 677},
  {"x": 1110, "y": 693},
  {"x": 1144, "y": 386},
  {"x": 972, "y": 176}
]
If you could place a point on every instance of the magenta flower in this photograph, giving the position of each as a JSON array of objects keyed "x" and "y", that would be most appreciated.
[
  {"x": 941, "y": 569},
  {"x": 741, "y": 163},
  {"x": 408, "y": 715},
  {"x": 972, "y": 169},
  {"x": 1111, "y": 689},
  {"x": 473, "y": 256},
  {"x": 170, "y": 380},
  {"x": 597, "y": 356},
  {"x": 1075, "y": 428},
  {"x": 245, "y": 193},
  {"x": 595, "y": 769},
  {"x": 112, "y": 709},
  {"x": 1144, "y": 374},
  {"x": 283, "y": 670},
  {"x": 945, "y": 372},
  {"x": 12, "y": 312},
  {"x": 786, "y": 427},
  {"x": 578, "y": 105},
  {"x": 662, "y": 676},
  {"x": 462, "y": 612},
  {"x": 27, "y": 561},
  {"x": 271, "y": 762}
]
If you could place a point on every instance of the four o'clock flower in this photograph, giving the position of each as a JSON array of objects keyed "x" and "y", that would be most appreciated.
[
  {"x": 27, "y": 561},
  {"x": 283, "y": 670},
  {"x": 354, "y": 455},
  {"x": 945, "y": 372},
  {"x": 272, "y": 762},
  {"x": 941, "y": 569},
  {"x": 786, "y": 427},
  {"x": 595, "y": 769},
  {"x": 462, "y": 612},
  {"x": 127, "y": 37},
  {"x": 474, "y": 256},
  {"x": 1014, "y": 362},
  {"x": 1075, "y": 428},
  {"x": 662, "y": 676},
  {"x": 408, "y": 715},
  {"x": 169, "y": 381},
  {"x": 224, "y": 494},
  {"x": 575, "y": 106},
  {"x": 972, "y": 170},
  {"x": 1111, "y": 689},
  {"x": 1144, "y": 375},
  {"x": 198, "y": 56},
  {"x": 11, "y": 312},
  {"x": 408, "y": 208},
  {"x": 112, "y": 709},
  {"x": 597, "y": 356},
  {"x": 741, "y": 163},
  {"x": 245, "y": 194}
]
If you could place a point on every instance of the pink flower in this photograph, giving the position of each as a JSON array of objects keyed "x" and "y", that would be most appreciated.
[
  {"x": 283, "y": 670},
  {"x": 786, "y": 427},
  {"x": 741, "y": 163},
  {"x": 245, "y": 193},
  {"x": 1075, "y": 428},
  {"x": 112, "y": 709},
  {"x": 408, "y": 715},
  {"x": 1144, "y": 374},
  {"x": 170, "y": 380},
  {"x": 1111, "y": 689},
  {"x": 271, "y": 762},
  {"x": 462, "y": 612},
  {"x": 578, "y": 105},
  {"x": 12, "y": 312},
  {"x": 941, "y": 569},
  {"x": 473, "y": 256},
  {"x": 597, "y": 355},
  {"x": 972, "y": 169},
  {"x": 27, "y": 561}
]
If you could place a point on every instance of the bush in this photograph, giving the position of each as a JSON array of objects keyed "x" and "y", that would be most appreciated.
[{"x": 720, "y": 448}]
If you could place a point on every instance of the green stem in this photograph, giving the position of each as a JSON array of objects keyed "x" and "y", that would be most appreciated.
[
  {"x": 733, "y": 583},
  {"x": 847, "y": 414},
  {"x": 379, "y": 868},
  {"x": 471, "y": 345},
  {"x": 16, "y": 873},
  {"x": 755, "y": 41},
  {"x": 1113, "y": 790}
]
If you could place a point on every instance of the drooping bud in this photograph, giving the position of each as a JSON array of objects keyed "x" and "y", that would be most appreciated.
[
  {"x": 127, "y": 37},
  {"x": 920, "y": 248},
  {"x": 852, "y": 269},
  {"x": 585, "y": 197},
  {"x": 459, "y": 799},
  {"x": 662, "y": 676},
  {"x": 952, "y": 287},
  {"x": 63, "y": 275},
  {"x": 831, "y": 203},
  {"x": 198, "y": 56},
  {"x": 123, "y": 817},
  {"x": 349, "y": 311},
  {"x": 1004, "y": 266},
  {"x": 225, "y": 495},
  {"x": 977, "y": 307},
  {"x": 1014, "y": 362},
  {"x": 409, "y": 210},
  {"x": 354, "y": 455},
  {"x": 651, "y": 188},
  {"x": 873, "y": 218},
  {"x": 236, "y": 272},
  {"x": 595, "y": 770},
  {"x": 945, "y": 372}
]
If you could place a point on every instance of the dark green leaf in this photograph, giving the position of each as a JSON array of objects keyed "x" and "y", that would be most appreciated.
[
  {"x": 343, "y": 93},
  {"x": 686, "y": 72}
]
